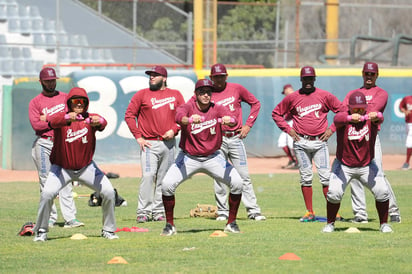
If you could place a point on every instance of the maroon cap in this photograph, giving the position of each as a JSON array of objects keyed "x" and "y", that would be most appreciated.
[
  {"x": 285, "y": 87},
  {"x": 357, "y": 100},
  {"x": 307, "y": 71},
  {"x": 157, "y": 69},
  {"x": 48, "y": 74},
  {"x": 370, "y": 67},
  {"x": 218, "y": 69},
  {"x": 203, "y": 83}
]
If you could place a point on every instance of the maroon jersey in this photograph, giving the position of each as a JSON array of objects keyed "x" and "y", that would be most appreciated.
[
  {"x": 74, "y": 143},
  {"x": 49, "y": 106},
  {"x": 309, "y": 111},
  {"x": 355, "y": 141},
  {"x": 205, "y": 138},
  {"x": 155, "y": 112},
  {"x": 376, "y": 98},
  {"x": 231, "y": 98},
  {"x": 406, "y": 103}
]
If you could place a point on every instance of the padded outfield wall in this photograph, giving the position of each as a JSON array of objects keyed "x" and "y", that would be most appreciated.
[{"x": 111, "y": 91}]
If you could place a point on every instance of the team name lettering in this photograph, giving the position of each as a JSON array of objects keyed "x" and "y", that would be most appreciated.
[
  {"x": 74, "y": 135},
  {"x": 197, "y": 128},
  {"x": 156, "y": 103},
  {"x": 353, "y": 134},
  {"x": 226, "y": 101},
  {"x": 53, "y": 110},
  {"x": 302, "y": 111}
]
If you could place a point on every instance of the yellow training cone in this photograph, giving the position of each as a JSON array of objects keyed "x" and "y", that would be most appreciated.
[
  {"x": 117, "y": 260},
  {"x": 218, "y": 233},
  {"x": 78, "y": 236},
  {"x": 352, "y": 230}
]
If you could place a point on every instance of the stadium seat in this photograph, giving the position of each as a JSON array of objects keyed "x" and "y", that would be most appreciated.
[
  {"x": 12, "y": 11},
  {"x": 25, "y": 26},
  {"x": 38, "y": 40},
  {"x": 37, "y": 25},
  {"x": 3, "y": 13},
  {"x": 14, "y": 25},
  {"x": 26, "y": 53}
]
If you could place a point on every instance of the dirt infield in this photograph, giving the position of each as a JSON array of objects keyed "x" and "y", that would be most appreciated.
[{"x": 256, "y": 166}]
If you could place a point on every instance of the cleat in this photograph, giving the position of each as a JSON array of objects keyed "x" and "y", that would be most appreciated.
[
  {"x": 395, "y": 219},
  {"x": 169, "y": 230},
  {"x": 221, "y": 217},
  {"x": 159, "y": 218},
  {"x": 329, "y": 228},
  {"x": 109, "y": 235},
  {"x": 257, "y": 217},
  {"x": 359, "y": 220},
  {"x": 142, "y": 219},
  {"x": 41, "y": 236},
  {"x": 385, "y": 228},
  {"x": 405, "y": 166},
  {"x": 232, "y": 227},
  {"x": 308, "y": 217},
  {"x": 73, "y": 223}
]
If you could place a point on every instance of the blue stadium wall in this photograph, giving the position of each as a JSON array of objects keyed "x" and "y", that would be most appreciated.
[{"x": 111, "y": 91}]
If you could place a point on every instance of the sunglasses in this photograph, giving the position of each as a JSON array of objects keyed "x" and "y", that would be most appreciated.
[
  {"x": 78, "y": 101},
  {"x": 203, "y": 91},
  {"x": 358, "y": 110}
]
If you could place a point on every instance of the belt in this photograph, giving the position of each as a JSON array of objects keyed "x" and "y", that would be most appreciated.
[
  {"x": 309, "y": 137},
  {"x": 158, "y": 138},
  {"x": 50, "y": 138},
  {"x": 230, "y": 133}
]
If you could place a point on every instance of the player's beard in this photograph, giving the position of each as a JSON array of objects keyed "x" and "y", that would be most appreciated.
[
  {"x": 48, "y": 90},
  {"x": 154, "y": 87}
]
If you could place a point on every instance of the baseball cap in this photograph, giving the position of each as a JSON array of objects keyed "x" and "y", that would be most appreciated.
[
  {"x": 307, "y": 71},
  {"x": 48, "y": 74},
  {"x": 218, "y": 69},
  {"x": 285, "y": 87},
  {"x": 203, "y": 83},
  {"x": 370, "y": 67},
  {"x": 357, "y": 100},
  {"x": 157, "y": 69}
]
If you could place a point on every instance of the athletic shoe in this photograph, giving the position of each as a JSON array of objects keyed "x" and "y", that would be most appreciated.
[
  {"x": 385, "y": 228},
  {"x": 359, "y": 220},
  {"x": 169, "y": 230},
  {"x": 257, "y": 217},
  {"x": 232, "y": 227},
  {"x": 339, "y": 218},
  {"x": 308, "y": 217},
  {"x": 405, "y": 166},
  {"x": 73, "y": 223},
  {"x": 51, "y": 224},
  {"x": 41, "y": 236},
  {"x": 142, "y": 219},
  {"x": 159, "y": 218},
  {"x": 395, "y": 219},
  {"x": 221, "y": 217},
  {"x": 330, "y": 227},
  {"x": 109, "y": 235}
]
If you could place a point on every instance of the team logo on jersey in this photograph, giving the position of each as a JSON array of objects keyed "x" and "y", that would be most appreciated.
[
  {"x": 75, "y": 135},
  {"x": 197, "y": 128},
  {"x": 226, "y": 101},
  {"x": 231, "y": 107},
  {"x": 213, "y": 130},
  {"x": 53, "y": 110},
  {"x": 303, "y": 111},
  {"x": 158, "y": 103},
  {"x": 84, "y": 140},
  {"x": 358, "y": 135},
  {"x": 172, "y": 106}
]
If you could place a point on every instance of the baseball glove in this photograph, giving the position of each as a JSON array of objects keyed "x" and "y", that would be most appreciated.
[
  {"x": 26, "y": 229},
  {"x": 205, "y": 211}
]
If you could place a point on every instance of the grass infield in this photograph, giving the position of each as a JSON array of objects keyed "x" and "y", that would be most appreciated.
[{"x": 256, "y": 250}]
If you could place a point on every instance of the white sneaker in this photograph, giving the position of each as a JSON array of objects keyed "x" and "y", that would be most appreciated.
[
  {"x": 109, "y": 235},
  {"x": 257, "y": 217},
  {"x": 330, "y": 227},
  {"x": 232, "y": 227},
  {"x": 169, "y": 230},
  {"x": 221, "y": 218},
  {"x": 41, "y": 236},
  {"x": 385, "y": 228}
]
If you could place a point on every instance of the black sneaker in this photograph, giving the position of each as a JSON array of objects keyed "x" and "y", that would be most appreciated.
[
  {"x": 395, "y": 219},
  {"x": 232, "y": 227},
  {"x": 359, "y": 220},
  {"x": 169, "y": 230}
]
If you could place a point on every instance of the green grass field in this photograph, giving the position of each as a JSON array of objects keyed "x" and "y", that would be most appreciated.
[{"x": 256, "y": 250}]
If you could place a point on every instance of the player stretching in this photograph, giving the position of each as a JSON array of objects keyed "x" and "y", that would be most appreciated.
[
  {"x": 406, "y": 107},
  {"x": 200, "y": 142},
  {"x": 309, "y": 107},
  {"x": 355, "y": 153},
  {"x": 42, "y": 107},
  {"x": 72, "y": 160}
]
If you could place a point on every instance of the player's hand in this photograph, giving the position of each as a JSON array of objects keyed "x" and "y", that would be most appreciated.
[
  {"x": 326, "y": 135},
  {"x": 95, "y": 120},
  {"x": 196, "y": 119},
  {"x": 243, "y": 131},
  {"x": 43, "y": 117},
  {"x": 170, "y": 134},
  {"x": 294, "y": 135},
  {"x": 373, "y": 116},
  {"x": 143, "y": 143},
  {"x": 71, "y": 116},
  {"x": 355, "y": 118}
]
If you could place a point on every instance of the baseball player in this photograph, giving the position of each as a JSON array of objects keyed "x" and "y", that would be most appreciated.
[
  {"x": 231, "y": 95},
  {"x": 356, "y": 136},
  {"x": 309, "y": 107},
  {"x": 41, "y": 108},
  {"x": 202, "y": 127},
  {"x": 154, "y": 108},
  {"x": 72, "y": 159},
  {"x": 406, "y": 107},
  {"x": 285, "y": 142},
  {"x": 376, "y": 99}
]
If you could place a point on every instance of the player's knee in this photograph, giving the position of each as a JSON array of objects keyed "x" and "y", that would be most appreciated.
[
  {"x": 48, "y": 195},
  {"x": 382, "y": 195},
  {"x": 334, "y": 197},
  {"x": 236, "y": 187},
  {"x": 168, "y": 189},
  {"x": 306, "y": 183},
  {"x": 108, "y": 194}
]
